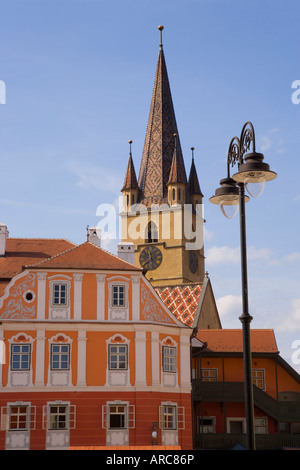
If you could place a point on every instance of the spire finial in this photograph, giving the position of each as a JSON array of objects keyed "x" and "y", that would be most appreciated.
[
  {"x": 192, "y": 149},
  {"x": 161, "y": 30},
  {"x": 130, "y": 142}
]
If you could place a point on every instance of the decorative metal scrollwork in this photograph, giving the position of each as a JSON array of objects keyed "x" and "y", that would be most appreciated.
[{"x": 238, "y": 147}]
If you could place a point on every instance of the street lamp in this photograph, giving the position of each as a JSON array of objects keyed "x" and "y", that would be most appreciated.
[{"x": 252, "y": 172}]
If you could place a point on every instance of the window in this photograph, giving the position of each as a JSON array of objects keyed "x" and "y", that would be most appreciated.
[
  {"x": 118, "y": 296},
  {"x": 260, "y": 425},
  {"x": 60, "y": 356},
  {"x": 169, "y": 417},
  {"x": 258, "y": 378},
  {"x": 205, "y": 425},
  {"x": 18, "y": 418},
  {"x": 60, "y": 294},
  {"x": 20, "y": 356},
  {"x": 209, "y": 375},
  {"x": 117, "y": 417},
  {"x": 169, "y": 359},
  {"x": 151, "y": 233},
  {"x": 173, "y": 194},
  {"x": 58, "y": 417},
  {"x": 118, "y": 356}
]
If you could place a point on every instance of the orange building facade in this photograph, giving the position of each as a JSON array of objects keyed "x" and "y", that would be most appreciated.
[
  {"x": 218, "y": 391},
  {"x": 90, "y": 354}
]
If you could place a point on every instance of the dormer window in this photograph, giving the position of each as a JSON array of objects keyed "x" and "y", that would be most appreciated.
[
  {"x": 118, "y": 296},
  {"x": 60, "y": 294}
]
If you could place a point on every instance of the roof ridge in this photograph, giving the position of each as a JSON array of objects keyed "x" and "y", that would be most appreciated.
[
  {"x": 38, "y": 238},
  {"x": 53, "y": 257},
  {"x": 79, "y": 246},
  {"x": 115, "y": 256}
]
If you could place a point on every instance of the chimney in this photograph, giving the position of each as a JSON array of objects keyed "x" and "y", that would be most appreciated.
[
  {"x": 3, "y": 237},
  {"x": 125, "y": 251},
  {"x": 94, "y": 236}
]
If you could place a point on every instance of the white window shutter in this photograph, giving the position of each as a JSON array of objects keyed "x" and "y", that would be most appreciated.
[
  {"x": 180, "y": 417},
  {"x": 105, "y": 417},
  {"x": 32, "y": 416},
  {"x": 4, "y": 419},
  {"x": 72, "y": 416},
  {"x": 161, "y": 417},
  {"x": 131, "y": 416},
  {"x": 45, "y": 417}
]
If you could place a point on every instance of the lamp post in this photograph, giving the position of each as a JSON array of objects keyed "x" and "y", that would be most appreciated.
[{"x": 231, "y": 194}]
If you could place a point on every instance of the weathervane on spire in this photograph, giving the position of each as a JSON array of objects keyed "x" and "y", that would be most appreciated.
[
  {"x": 130, "y": 142},
  {"x": 161, "y": 30}
]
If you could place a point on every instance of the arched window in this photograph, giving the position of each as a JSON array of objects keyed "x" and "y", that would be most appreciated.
[
  {"x": 173, "y": 194},
  {"x": 151, "y": 233},
  {"x": 179, "y": 194}
]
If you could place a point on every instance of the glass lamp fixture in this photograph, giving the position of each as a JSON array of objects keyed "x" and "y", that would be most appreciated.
[
  {"x": 227, "y": 197},
  {"x": 254, "y": 173}
]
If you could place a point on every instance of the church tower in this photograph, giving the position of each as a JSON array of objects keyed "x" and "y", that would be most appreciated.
[{"x": 162, "y": 213}]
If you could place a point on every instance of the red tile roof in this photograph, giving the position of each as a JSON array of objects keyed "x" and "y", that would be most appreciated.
[
  {"x": 181, "y": 300},
  {"x": 85, "y": 256},
  {"x": 262, "y": 341},
  {"x": 24, "y": 251}
]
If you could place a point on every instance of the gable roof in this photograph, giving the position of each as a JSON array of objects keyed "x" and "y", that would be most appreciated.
[
  {"x": 23, "y": 251},
  {"x": 86, "y": 256},
  {"x": 231, "y": 340}
]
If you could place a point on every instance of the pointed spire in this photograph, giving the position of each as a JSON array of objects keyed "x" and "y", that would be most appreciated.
[
  {"x": 176, "y": 175},
  {"x": 159, "y": 141},
  {"x": 130, "y": 181},
  {"x": 194, "y": 186}
]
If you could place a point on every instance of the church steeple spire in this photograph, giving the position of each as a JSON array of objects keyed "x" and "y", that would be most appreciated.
[
  {"x": 194, "y": 186},
  {"x": 159, "y": 141}
]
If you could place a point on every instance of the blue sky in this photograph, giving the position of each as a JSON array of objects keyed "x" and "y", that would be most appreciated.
[{"x": 79, "y": 77}]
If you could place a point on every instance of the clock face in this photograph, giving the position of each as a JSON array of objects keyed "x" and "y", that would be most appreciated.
[
  {"x": 193, "y": 261},
  {"x": 150, "y": 258}
]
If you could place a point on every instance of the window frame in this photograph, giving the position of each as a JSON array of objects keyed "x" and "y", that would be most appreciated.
[
  {"x": 60, "y": 283},
  {"x": 60, "y": 353},
  {"x": 212, "y": 374},
  {"x": 69, "y": 414},
  {"x": 12, "y": 354},
  {"x": 170, "y": 365},
  {"x": 118, "y": 284},
  {"x": 117, "y": 354},
  {"x": 18, "y": 415},
  {"x": 256, "y": 379}
]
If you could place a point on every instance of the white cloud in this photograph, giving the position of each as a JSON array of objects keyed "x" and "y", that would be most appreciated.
[
  {"x": 291, "y": 321},
  {"x": 222, "y": 254},
  {"x": 95, "y": 177},
  {"x": 292, "y": 256},
  {"x": 225, "y": 254},
  {"x": 230, "y": 308}
]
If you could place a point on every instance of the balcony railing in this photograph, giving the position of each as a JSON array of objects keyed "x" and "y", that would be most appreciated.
[
  {"x": 231, "y": 441},
  {"x": 282, "y": 411}
]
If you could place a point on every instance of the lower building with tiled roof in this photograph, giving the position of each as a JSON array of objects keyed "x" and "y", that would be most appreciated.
[{"x": 219, "y": 391}]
